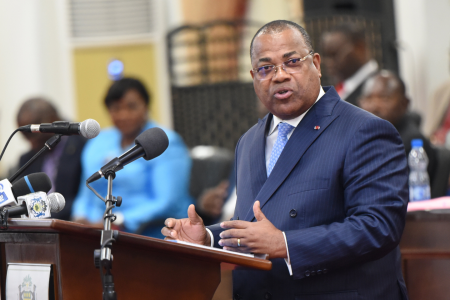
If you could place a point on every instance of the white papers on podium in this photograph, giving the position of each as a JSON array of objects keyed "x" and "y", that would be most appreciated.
[
  {"x": 262, "y": 256},
  {"x": 27, "y": 281}
]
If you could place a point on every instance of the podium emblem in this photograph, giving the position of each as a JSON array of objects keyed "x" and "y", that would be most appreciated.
[
  {"x": 38, "y": 207},
  {"x": 27, "y": 291}
]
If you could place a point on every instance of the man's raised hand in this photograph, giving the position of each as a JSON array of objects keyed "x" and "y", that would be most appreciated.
[{"x": 190, "y": 230}]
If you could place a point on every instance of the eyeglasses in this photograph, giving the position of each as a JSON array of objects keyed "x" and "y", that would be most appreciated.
[{"x": 291, "y": 66}]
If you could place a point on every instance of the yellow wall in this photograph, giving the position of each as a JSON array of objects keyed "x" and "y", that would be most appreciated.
[{"x": 91, "y": 77}]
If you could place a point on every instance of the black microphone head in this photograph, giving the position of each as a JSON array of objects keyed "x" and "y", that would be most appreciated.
[
  {"x": 39, "y": 182},
  {"x": 154, "y": 141}
]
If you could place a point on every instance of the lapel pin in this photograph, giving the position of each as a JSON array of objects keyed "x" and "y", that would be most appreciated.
[{"x": 316, "y": 127}]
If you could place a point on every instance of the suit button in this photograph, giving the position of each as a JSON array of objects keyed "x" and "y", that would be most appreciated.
[
  {"x": 268, "y": 296},
  {"x": 237, "y": 297},
  {"x": 319, "y": 272},
  {"x": 325, "y": 271},
  {"x": 293, "y": 213},
  {"x": 307, "y": 273},
  {"x": 313, "y": 273}
]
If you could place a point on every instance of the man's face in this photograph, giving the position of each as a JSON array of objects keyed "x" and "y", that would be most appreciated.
[
  {"x": 384, "y": 100},
  {"x": 285, "y": 95},
  {"x": 129, "y": 114},
  {"x": 339, "y": 56}
]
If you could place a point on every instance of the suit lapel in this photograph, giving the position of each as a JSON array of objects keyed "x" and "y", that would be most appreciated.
[
  {"x": 303, "y": 136},
  {"x": 258, "y": 155}
]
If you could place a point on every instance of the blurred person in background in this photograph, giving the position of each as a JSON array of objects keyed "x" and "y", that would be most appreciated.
[
  {"x": 63, "y": 163},
  {"x": 151, "y": 190},
  {"x": 347, "y": 60},
  {"x": 384, "y": 95},
  {"x": 437, "y": 121},
  {"x": 437, "y": 124},
  {"x": 211, "y": 202}
]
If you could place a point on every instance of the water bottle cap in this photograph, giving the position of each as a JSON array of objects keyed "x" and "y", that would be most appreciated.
[{"x": 417, "y": 143}]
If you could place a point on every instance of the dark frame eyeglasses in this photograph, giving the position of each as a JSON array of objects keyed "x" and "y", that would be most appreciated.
[{"x": 290, "y": 66}]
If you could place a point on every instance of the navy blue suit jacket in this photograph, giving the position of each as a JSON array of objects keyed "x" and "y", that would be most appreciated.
[{"x": 339, "y": 193}]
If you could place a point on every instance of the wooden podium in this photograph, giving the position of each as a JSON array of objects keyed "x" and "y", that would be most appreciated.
[
  {"x": 143, "y": 267},
  {"x": 425, "y": 248}
]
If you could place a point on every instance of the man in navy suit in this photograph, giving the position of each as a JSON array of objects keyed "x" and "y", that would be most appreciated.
[{"x": 321, "y": 186}]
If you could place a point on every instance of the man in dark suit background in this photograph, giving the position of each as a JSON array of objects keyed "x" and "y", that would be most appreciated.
[
  {"x": 61, "y": 164},
  {"x": 384, "y": 95},
  {"x": 321, "y": 186},
  {"x": 348, "y": 60}
]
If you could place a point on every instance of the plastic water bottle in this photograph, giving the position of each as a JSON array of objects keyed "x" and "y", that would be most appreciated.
[{"x": 419, "y": 182}]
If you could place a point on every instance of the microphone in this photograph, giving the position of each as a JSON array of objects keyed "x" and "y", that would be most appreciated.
[
  {"x": 88, "y": 128},
  {"x": 37, "y": 205},
  {"x": 26, "y": 185},
  {"x": 149, "y": 144}
]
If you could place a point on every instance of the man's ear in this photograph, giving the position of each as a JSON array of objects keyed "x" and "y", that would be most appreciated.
[
  {"x": 251, "y": 73},
  {"x": 316, "y": 62},
  {"x": 406, "y": 102}
]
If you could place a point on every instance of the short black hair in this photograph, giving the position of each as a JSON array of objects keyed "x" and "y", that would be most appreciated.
[
  {"x": 354, "y": 32},
  {"x": 41, "y": 109},
  {"x": 280, "y": 26},
  {"x": 118, "y": 89}
]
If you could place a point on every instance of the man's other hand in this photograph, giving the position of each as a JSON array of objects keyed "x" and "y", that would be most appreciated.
[
  {"x": 190, "y": 230},
  {"x": 260, "y": 237}
]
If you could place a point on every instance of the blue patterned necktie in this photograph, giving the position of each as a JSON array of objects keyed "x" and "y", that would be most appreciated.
[{"x": 283, "y": 131}]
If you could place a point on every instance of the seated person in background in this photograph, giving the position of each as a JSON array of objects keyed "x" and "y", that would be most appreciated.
[
  {"x": 347, "y": 59},
  {"x": 211, "y": 201},
  {"x": 384, "y": 95},
  {"x": 151, "y": 190},
  {"x": 437, "y": 121},
  {"x": 63, "y": 163}
]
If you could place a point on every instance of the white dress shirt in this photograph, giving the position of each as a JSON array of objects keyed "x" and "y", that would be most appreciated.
[{"x": 352, "y": 83}]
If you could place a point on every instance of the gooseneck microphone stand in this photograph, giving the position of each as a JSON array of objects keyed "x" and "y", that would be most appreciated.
[
  {"x": 49, "y": 145},
  {"x": 103, "y": 257}
]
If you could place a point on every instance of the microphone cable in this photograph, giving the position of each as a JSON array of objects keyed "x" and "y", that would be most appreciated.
[
  {"x": 95, "y": 192},
  {"x": 7, "y": 142}
]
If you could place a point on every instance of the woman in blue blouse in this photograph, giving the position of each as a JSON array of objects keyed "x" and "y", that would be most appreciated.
[{"x": 151, "y": 190}]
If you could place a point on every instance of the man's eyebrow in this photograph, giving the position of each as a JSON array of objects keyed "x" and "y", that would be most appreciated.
[
  {"x": 268, "y": 59},
  {"x": 265, "y": 59},
  {"x": 289, "y": 54}
]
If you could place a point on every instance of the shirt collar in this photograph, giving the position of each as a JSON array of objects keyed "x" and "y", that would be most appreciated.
[
  {"x": 293, "y": 122},
  {"x": 351, "y": 83}
]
